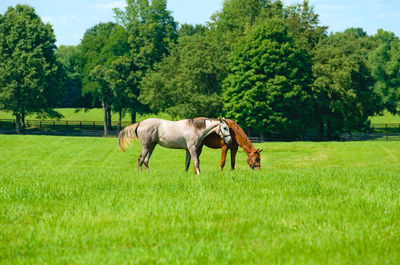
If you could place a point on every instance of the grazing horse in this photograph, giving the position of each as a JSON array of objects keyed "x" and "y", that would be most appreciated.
[
  {"x": 184, "y": 134},
  {"x": 239, "y": 138}
]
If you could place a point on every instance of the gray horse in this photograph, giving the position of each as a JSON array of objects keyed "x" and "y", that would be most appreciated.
[{"x": 184, "y": 134}]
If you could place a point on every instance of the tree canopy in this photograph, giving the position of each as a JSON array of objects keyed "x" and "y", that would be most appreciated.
[
  {"x": 267, "y": 89},
  {"x": 31, "y": 79},
  {"x": 343, "y": 88},
  {"x": 385, "y": 69},
  {"x": 187, "y": 83}
]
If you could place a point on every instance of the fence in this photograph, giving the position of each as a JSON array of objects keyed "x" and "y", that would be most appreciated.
[
  {"x": 378, "y": 131},
  {"x": 59, "y": 125}
]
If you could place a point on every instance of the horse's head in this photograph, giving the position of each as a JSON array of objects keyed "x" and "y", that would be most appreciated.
[
  {"x": 255, "y": 159},
  {"x": 223, "y": 131}
]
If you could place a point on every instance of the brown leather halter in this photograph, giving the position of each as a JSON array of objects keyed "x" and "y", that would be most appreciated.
[{"x": 250, "y": 162}]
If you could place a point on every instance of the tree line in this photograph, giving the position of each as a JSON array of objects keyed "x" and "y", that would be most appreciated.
[{"x": 272, "y": 68}]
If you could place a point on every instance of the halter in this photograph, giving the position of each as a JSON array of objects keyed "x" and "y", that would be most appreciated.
[
  {"x": 222, "y": 133},
  {"x": 252, "y": 165}
]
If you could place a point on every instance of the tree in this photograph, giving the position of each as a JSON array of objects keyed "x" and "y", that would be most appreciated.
[
  {"x": 102, "y": 44},
  {"x": 189, "y": 30},
  {"x": 31, "y": 79},
  {"x": 188, "y": 82},
  {"x": 237, "y": 17},
  {"x": 304, "y": 25},
  {"x": 117, "y": 77},
  {"x": 343, "y": 88},
  {"x": 122, "y": 80},
  {"x": 268, "y": 87},
  {"x": 151, "y": 29},
  {"x": 385, "y": 69}
]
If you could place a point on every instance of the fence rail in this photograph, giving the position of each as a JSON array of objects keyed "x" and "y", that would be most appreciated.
[
  {"x": 378, "y": 131},
  {"x": 61, "y": 125}
]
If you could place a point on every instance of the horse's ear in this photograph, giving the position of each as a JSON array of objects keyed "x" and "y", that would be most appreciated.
[{"x": 259, "y": 150}]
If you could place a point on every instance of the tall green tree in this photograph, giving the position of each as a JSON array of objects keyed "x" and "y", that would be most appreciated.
[
  {"x": 122, "y": 80},
  {"x": 151, "y": 29},
  {"x": 117, "y": 77},
  {"x": 343, "y": 88},
  {"x": 304, "y": 25},
  {"x": 268, "y": 87},
  {"x": 188, "y": 82},
  {"x": 31, "y": 79},
  {"x": 385, "y": 69},
  {"x": 237, "y": 17},
  {"x": 100, "y": 45}
]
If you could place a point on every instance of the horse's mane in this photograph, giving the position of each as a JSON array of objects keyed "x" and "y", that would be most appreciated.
[
  {"x": 198, "y": 124},
  {"x": 240, "y": 135}
]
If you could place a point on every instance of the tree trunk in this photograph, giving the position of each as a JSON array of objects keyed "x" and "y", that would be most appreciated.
[
  {"x": 119, "y": 121},
  {"x": 109, "y": 118},
  {"x": 105, "y": 118},
  {"x": 18, "y": 123},
  {"x": 320, "y": 124},
  {"x": 23, "y": 120},
  {"x": 133, "y": 116}
]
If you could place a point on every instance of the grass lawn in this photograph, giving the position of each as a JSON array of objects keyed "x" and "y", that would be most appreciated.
[
  {"x": 91, "y": 115},
  {"x": 386, "y": 118},
  {"x": 81, "y": 201}
]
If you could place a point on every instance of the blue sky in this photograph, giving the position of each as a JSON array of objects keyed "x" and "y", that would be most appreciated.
[{"x": 71, "y": 18}]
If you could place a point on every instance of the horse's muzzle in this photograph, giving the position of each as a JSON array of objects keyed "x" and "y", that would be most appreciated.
[{"x": 228, "y": 139}]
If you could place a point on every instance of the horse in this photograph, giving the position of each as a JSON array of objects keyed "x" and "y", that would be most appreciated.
[
  {"x": 239, "y": 138},
  {"x": 185, "y": 134}
]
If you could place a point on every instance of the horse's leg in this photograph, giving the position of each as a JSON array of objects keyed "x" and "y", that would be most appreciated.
[
  {"x": 141, "y": 158},
  {"x": 198, "y": 151},
  {"x": 224, "y": 150},
  {"x": 187, "y": 162},
  {"x": 150, "y": 149},
  {"x": 233, "y": 156},
  {"x": 193, "y": 153}
]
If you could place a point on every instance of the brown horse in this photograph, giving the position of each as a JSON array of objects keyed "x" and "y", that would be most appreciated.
[{"x": 239, "y": 138}]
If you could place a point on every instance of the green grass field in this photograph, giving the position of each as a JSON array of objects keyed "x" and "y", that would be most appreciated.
[
  {"x": 386, "y": 118},
  {"x": 71, "y": 114},
  {"x": 81, "y": 201}
]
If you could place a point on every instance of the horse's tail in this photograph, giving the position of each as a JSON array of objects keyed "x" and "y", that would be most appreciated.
[{"x": 126, "y": 135}]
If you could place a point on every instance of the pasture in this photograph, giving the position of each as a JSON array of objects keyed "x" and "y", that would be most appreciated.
[
  {"x": 70, "y": 200},
  {"x": 94, "y": 114}
]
